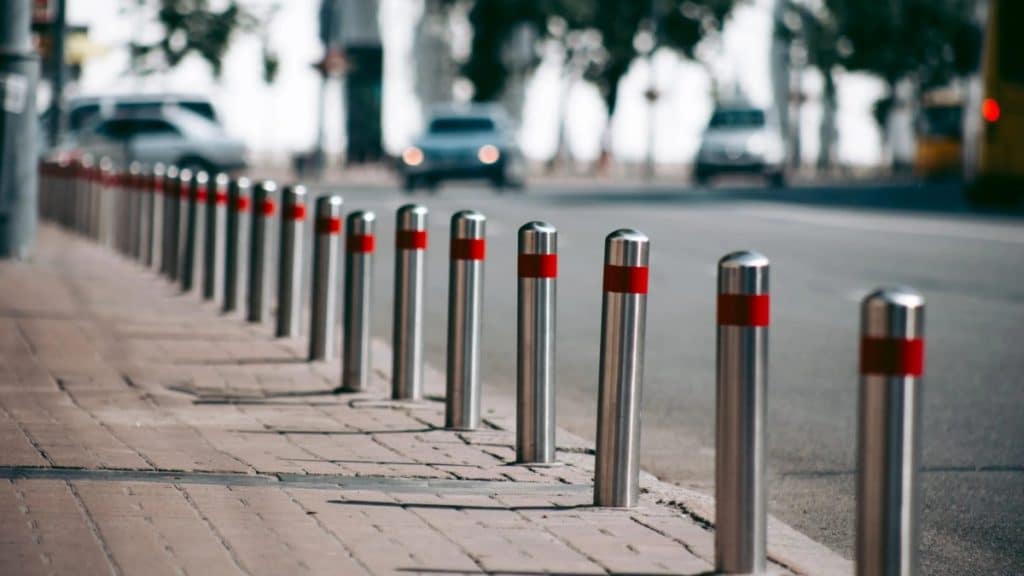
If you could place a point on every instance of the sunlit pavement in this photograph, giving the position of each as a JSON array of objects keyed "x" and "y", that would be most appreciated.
[{"x": 828, "y": 245}]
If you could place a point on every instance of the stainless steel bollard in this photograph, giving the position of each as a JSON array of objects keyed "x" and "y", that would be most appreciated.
[
  {"x": 323, "y": 309},
  {"x": 465, "y": 291},
  {"x": 181, "y": 192},
  {"x": 213, "y": 247},
  {"x": 168, "y": 243},
  {"x": 623, "y": 326},
  {"x": 535, "y": 360},
  {"x": 359, "y": 246},
  {"x": 407, "y": 327},
  {"x": 264, "y": 206},
  {"x": 236, "y": 239},
  {"x": 742, "y": 377},
  {"x": 289, "y": 269},
  {"x": 132, "y": 199},
  {"x": 889, "y": 432},
  {"x": 151, "y": 253},
  {"x": 197, "y": 194}
]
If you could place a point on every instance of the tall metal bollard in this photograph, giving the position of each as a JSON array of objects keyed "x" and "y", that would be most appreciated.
[
  {"x": 889, "y": 432},
  {"x": 289, "y": 269},
  {"x": 359, "y": 245},
  {"x": 182, "y": 188},
  {"x": 236, "y": 238},
  {"x": 169, "y": 234},
  {"x": 623, "y": 326},
  {"x": 407, "y": 333},
  {"x": 465, "y": 291},
  {"x": 132, "y": 198},
  {"x": 152, "y": 242},
  {"x": 197, "y": 195},
  {"x": 535, "y": 365},
  {"x": 323, "y": 320},
  {"x": 213, "y": 247},
  {"x": 264, "y": 206},
  {"x": 742, "y": 378}
]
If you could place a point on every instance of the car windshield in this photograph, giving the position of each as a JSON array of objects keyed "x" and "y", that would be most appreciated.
[
  {"x": 746, "y": 118},
  {"x": 461, "y": 125}
]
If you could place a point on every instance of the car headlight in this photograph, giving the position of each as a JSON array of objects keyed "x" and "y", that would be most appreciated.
[
  {"x": 488, "y": 154},
  {"x": 412, "y": 156}
]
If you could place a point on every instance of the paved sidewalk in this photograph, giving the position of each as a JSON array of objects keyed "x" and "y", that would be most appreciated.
[{"x": 142, "y": 432}]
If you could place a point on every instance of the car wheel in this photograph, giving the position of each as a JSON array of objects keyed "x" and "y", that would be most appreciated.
[
  {"x": 701, "y": 178},
  {"x": 410, "y": 184},
  {"x": 432, "y": 183},
  {"x": 777, "y": 179}
]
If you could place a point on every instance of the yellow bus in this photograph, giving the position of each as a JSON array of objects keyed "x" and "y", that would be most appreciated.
[{"x": 994, "y": 169}]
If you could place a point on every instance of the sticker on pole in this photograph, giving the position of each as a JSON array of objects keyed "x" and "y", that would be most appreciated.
[{"x": 15, "y": 89}]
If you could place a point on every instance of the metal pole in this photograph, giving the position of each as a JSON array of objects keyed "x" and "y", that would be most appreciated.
[
  {"x": 132, "y": 197},
  {"x": 289, "y": 269},
  {"x": 213, "y": 248},
  {"x": 143, "y": 216},
  {"x": 236, "y": 237},
  {"x": 19, "y": 74},
  {"x": 465, "y": 290},
  {"x": 181, "y": 191},
  {"x": 196, "y": 196},
  {"x": 889, "y": 435},
  {"x": 407, "y": 332},
  {"x": 742, "y": 377},
  {"x": 359, "y": 246},
  {"x": 535, "y": 365},
  {"x": 81, "y": 192},
  {"x": 170, "y": 223},
  {"x": 155, "y": 217},
  {"x": 264, "y": 206},
  {"x": 623, "y": 326},
  {"x": 323, "y": 303}
]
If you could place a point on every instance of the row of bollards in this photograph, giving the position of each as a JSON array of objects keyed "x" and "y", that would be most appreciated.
[{"x": 177, "y": 222}]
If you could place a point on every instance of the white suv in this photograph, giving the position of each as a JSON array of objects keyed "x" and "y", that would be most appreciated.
[{"x": 741, "y": 140}]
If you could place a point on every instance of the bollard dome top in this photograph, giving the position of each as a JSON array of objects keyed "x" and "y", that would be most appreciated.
[
  {"x": 242, "y": 182},
  {"x": 893, "y": 312},
  {"x": 185, "y": 174},
  {"x": 743, "y": 272},
  {"x": 268, "y": 185},
  {"x": 468, "y": 224},
  {"x": 297, "y": 189},
  {"x": 626, "y": 247},
  {"x": 202, "y": 177},
  {"x": 538, "y": 237},
  {"x": 222, "y": 179},
  {"x": 362, "y": 215},
  {"x": 135, "y": 167},
  {"x": 159, "y": 169},
  {"x": 417, "y": 209}
]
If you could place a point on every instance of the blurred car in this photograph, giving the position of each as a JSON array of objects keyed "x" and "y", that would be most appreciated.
[
  {"x": 464, "y": 143},
  {"x": 741, "y": 139},
  {"x": 84, "y": 110},
  {"x": 172, "y": 136}
]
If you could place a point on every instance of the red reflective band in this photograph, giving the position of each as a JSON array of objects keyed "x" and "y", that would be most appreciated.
[
  {"x": 201, "y": 194},
  {"x": 892, "y": 356},
  {"x": 267, "y": 208},
  {"x": 221, "y": 198},
  {"x": 744, "y": 309},
  {"x": 625, "y": 279},
  {"x": 538, "y": 265},
  {"x": 242, "y": 204},
  {"x": 298, "y": 212},
  {"x": 468, "y": 248},
  {"x": 360, "y": 243},
  {"x": 329, "y": 226},
  {"x": 411, "y": 239},
  {"x": 182, "y": 192}
]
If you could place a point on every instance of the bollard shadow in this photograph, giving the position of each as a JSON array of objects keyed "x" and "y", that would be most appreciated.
[
  {"x": 333, "y": 433},
  {"x": 544, "y": 573},
  {"x": 479, "y": 507}
]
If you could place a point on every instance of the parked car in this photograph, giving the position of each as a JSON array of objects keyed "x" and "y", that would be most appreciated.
[
  {"x": 741, "y": 140},
  {"x": 172, "y": 136},
  {"x": 464, "y": 143},
  {"x": 84, "y": 110}
]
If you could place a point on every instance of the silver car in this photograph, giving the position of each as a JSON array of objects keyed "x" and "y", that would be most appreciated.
[
  {"x": 461, "y": 143},
  {"x": 741, "y": 140},
  {"x": 172, "y": 136}
]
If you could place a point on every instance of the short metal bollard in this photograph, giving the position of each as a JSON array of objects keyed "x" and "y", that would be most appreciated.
[
  {"x": 289, "y": 269},
  {"x": 407, "y": 332},
  {"x": 197, "y": 194},
  {"x": 213, "y": 248},
  {"x": 623, "y": 326},
  {"x": 889, "y": 432},
  {"x": 535, "y": 360},
  {"x": 169, "y": 234},
  {"x": 131, "y": 192},
  {"x": 236, "y": 238},
  {"x": 323, "y": 322},
  {"x": 264, "y": 206},
  {"x": 742, "y": 376},
  {"x": 156, "y": 216},
  {"x": 465, "y": 291},
  {"x": 359, "y": 246}
]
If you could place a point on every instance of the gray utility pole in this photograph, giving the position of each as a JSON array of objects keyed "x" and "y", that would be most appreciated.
[{"x": 19, "y": 72}]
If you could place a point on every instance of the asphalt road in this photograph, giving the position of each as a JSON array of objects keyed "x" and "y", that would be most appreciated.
[{"x": 828, "y": 246}]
